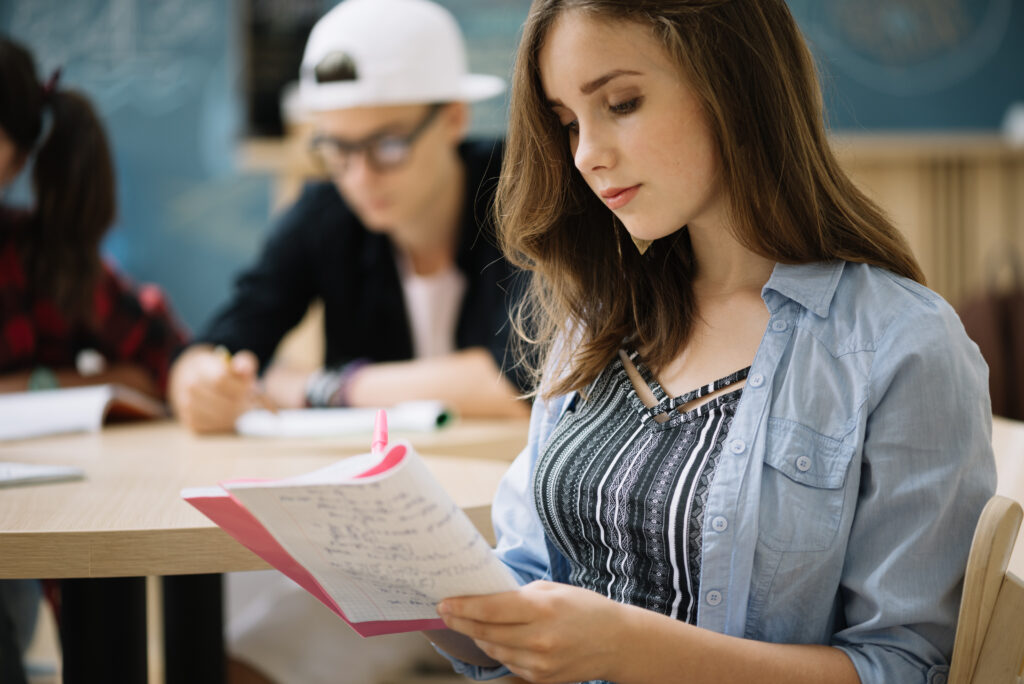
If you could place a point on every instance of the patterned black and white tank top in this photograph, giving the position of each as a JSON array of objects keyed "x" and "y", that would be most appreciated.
[{"x": 622, "y": 495}]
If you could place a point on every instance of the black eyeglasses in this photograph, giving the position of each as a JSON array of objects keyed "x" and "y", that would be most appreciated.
[{"x": 384, "y": 151}]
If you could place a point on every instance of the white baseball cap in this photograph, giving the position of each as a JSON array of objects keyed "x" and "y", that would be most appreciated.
[{"x": 385, "y": 52}]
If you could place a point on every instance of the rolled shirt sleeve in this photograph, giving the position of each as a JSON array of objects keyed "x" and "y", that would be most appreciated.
[{"x": 927, "y": 472}]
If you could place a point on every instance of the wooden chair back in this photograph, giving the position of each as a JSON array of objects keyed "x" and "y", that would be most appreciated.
[{"x": 989, "y": 646}]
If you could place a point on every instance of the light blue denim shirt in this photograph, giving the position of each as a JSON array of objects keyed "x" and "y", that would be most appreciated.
[{"x": 857, "y": 465}]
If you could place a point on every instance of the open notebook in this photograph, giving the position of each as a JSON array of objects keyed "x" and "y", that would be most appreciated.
[
  {"x": 71, "y": 409},
  {"x": 374, "y": 537}
]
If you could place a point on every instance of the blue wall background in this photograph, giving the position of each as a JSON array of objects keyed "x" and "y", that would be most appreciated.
[
  {"x": 916, "y": 64},
  {"x": 164, "y": 76},
  {"x": 167, "y": 77}
]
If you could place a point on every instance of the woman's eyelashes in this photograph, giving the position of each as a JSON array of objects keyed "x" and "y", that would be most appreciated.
[
  {"x": 627, "y": 107},
  {"x": 619, "y": 109}
]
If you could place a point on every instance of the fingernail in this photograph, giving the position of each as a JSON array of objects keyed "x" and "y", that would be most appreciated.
[{"x": 443, "y": 608}]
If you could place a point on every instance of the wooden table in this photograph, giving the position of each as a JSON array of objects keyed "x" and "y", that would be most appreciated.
[{"x": 126, "y": 519}]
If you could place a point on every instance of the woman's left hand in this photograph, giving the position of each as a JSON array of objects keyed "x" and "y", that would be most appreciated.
[{"x": 545, "y": 631}]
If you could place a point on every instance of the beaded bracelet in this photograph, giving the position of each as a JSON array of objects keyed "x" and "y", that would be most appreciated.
[{"x": 327, "y": 387}]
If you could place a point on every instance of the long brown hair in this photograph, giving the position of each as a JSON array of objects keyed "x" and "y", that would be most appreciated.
[
  {"x": 72, "y": 179},
  {"x": 790, "y": 201}
]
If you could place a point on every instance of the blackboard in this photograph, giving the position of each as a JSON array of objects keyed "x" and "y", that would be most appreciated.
[{"x": 916, "y": 64}]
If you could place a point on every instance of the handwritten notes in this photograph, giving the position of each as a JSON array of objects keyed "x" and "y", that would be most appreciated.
[{"x": 387, "y": 547}]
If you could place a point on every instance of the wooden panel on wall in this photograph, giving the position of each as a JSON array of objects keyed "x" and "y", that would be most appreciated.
[{"x": 957, "y": 198}]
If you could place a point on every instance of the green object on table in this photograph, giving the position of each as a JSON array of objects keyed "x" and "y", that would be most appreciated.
[{"x": 42, "y": 378}]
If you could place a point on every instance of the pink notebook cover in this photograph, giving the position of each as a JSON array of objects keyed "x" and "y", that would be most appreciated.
[{"x": 232, "y": 517}]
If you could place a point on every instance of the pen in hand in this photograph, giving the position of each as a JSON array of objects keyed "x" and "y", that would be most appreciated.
[{"x": 257, "y": 396}]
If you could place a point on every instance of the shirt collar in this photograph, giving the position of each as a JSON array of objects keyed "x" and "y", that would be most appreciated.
[{"x": 811, "y": 285}]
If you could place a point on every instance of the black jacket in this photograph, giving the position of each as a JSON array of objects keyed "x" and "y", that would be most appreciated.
[{"x": 319, "y": 248}]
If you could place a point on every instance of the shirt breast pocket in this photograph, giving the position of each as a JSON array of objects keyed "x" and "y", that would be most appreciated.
[{"x": 802, "y": 491}]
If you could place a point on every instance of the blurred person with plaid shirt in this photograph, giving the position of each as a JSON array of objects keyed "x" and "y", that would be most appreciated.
[{"x": 67, "y": 317}]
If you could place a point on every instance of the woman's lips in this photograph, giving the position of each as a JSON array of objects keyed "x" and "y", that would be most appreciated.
[{"x": 616, "y": 198}]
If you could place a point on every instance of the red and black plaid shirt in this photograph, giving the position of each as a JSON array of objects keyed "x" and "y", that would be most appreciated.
[{"x": 132, "y": 325}]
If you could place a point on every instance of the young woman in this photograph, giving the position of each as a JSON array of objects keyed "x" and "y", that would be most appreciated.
[
  {"x": 761, "y": 445},
  {"x": 66, "y": 317}
]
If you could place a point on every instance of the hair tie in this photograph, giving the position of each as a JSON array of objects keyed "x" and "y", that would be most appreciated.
[{"x": 51, "y": 84}]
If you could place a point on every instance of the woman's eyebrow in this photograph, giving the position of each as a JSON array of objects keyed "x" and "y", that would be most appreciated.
[{"x": 590, "y": 87}]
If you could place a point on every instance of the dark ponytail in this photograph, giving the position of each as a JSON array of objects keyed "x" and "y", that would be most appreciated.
[{"x": 72, "y": 178}]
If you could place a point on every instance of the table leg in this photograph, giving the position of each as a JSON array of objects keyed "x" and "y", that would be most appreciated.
[
  {"x": 194, "y": 629},
  {"x": 103, "y": 630},
  {"x": 12, "y": 669}
]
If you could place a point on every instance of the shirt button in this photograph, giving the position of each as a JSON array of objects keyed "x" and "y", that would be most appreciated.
[
  {"x": 714, "y": 597},
  {"x": 719, "y": 523},
  {"x": 803, "y": 464},
  {"x": 755, "y": 380},
  {"x": 737, "y": 446},
  {"x": 779, "y": 325}
]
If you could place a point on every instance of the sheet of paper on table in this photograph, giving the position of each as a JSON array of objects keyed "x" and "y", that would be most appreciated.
[
  {"x": 72, "y": 409},
  {"x": 12, "y": 473},
  {"x": 410, "y": 416}
]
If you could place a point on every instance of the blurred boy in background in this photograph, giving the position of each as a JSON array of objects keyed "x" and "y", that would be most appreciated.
[{"x": 398, "y": 245}]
